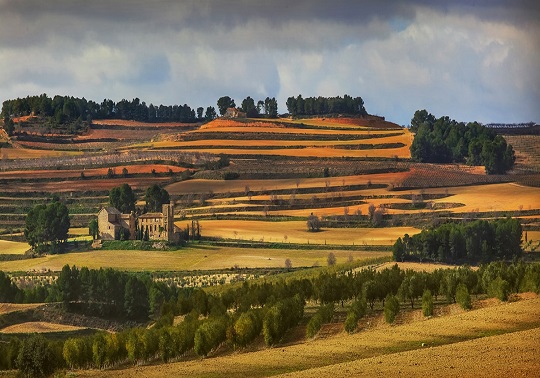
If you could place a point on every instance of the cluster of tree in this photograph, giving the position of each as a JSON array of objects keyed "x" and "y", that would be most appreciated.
[
  {"x": 65, "y": 109},
  {"x": 124, "y": 199},
  {"x": 478, "y": 241},
  {"x": 240, "y": 314},
  {"x": 46, "y": 226},
  {"x": 298, "y": 106},
  {"x": 445, "y": 140},
  {"x": 267, "y": 108}
]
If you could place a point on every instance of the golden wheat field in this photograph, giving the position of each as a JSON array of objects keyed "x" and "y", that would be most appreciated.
[
  {"x": 493, "y": 339},
  {"x": 296, "y": 232}
]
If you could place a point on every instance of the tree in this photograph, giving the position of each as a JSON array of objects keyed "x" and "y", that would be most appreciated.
[
  {"x": 224, "y": 103},
  {"x": 155, "y": 197},
  {"x": 35, "y": 357},
  {"x": 331, "y": 259},
  {"x": 463, "y": 298},
  {"x": 427, "y": 303},
  {"x": 200, "y": 111},
  {"x": 93, "y": 229},
  {"x": 288, "y": 263},
  {"x": 313, "y": 223},
  {"x": 210, "y": 113},
  {"x": 47, "y": 225},
  {"x": 123, "y": 198},
  {"x": 391, "y": 308},
  {"x": 9, "y": 126},
  {"x": 248, "y": 106},
  {"x": 247, "y": 328},
  {"x": 351, "y": 322},
  {"x": 136, "y": 299}
]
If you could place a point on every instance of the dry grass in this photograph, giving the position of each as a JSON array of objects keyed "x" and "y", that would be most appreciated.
[
  {"x": 13, "y": 248},
  {"x": 455, "y": 345},
  {"x": 6, "y": 308},
  {"x": 192, "y": 258},
  {"x": 39, "y": 327},
  {"x": 296, "y": 232}
]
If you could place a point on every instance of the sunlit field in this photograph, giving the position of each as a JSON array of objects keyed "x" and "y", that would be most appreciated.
[
  {"x": 296, "y": 232},
  {"x": 192, "y": 258}
]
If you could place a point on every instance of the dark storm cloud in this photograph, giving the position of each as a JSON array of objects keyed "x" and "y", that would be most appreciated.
[{"x": 468, "y": 59}]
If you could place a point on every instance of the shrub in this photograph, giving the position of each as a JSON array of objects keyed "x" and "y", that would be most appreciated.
[
  {"x": 391, "y": 308},
  {"x": 427, "y": 303}
]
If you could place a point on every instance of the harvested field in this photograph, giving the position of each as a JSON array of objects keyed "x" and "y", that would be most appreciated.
[
  {"x": 277, "y": 129},
  {"x": 6, "y": 308},
  {"x": 13, "y": 248},
  {"x": 494, "y": 197},
  {"x": 39, "y": 327},
  {"x": 192, "y": 258},
  {"x": 222, "y": 186},
  {"x": 296, "y": 232},
  {"x": 326, "y": 152},
  {"x": 370, "y": 121},
  {"x": 262, "y": 143},
  {"x": 82, "y": 185},
  {"x": 455, "y": 345},
  {"x": 91, "y": 172},
  {"x": 418, "y": 267}
]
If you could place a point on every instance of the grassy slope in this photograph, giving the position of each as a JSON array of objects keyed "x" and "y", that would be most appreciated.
[{"x": 386, "y": 348}]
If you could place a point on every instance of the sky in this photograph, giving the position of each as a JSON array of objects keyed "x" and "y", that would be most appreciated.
[{"x": 470, "y": 60}]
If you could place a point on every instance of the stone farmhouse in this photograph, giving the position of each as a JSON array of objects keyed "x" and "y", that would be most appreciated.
[
  {"x": 112, "y": 223},
  {"x": 234, "y": 113}
]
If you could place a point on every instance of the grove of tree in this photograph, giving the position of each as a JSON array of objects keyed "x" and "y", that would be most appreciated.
[{"x": 445, "y": 140}]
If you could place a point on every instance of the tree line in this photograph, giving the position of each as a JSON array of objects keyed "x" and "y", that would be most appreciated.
[
  {"x": 445, "y": 140},
  {"x": 75, "y": 111},
  {"x": 239, "y": 315},
  {"x": 297, "y": 106},
  {"x": 65, "y": 109},
  {"x": 453, "y": 243}
]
